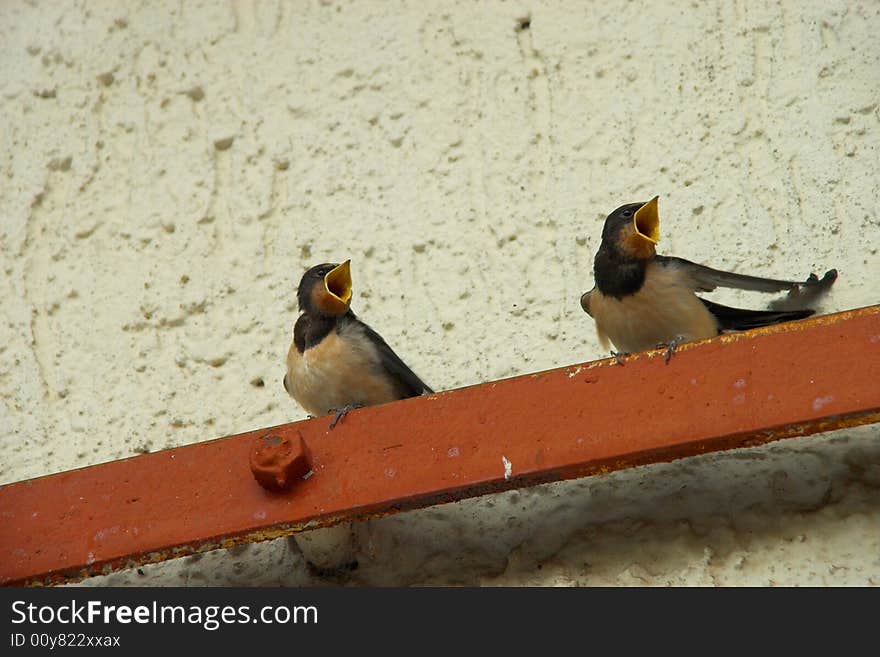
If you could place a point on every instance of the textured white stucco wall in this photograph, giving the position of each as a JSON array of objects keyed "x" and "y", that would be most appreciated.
[{"x": 169, "y": 169}]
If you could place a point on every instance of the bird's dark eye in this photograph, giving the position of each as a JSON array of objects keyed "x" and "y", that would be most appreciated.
[{"x": 627, "y": 213}]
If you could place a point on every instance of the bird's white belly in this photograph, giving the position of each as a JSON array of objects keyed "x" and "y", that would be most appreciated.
[
  {"x": 337, "y": 373},
  {"x": 659, "y": 312}
]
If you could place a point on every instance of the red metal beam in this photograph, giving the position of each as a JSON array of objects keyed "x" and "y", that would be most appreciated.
[{"x": 736, "y": 390}]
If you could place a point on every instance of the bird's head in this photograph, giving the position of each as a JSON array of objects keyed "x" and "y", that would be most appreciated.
[
  {"x": 633, "y": 229},
  {"x": 326, "y": 289}
]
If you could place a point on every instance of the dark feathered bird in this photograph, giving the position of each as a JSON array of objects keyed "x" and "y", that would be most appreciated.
[
  {"x": 642, "y": 300},
  {"x": 336, "y": 361}
]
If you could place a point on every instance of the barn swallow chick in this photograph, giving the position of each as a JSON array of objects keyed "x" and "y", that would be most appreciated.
[
  {"x": 336, "y": 362},
  {"x": 642, "y": 300}
]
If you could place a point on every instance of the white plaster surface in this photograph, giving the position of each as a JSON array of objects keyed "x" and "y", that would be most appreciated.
[{"x": 169, "y": 169}]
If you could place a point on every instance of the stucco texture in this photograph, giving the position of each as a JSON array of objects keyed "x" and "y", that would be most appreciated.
[{"x": 169, "y": 169}]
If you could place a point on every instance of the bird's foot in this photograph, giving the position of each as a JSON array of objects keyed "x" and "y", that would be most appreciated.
[
  {"x": 815, "y": 283},
  {"x": 618, "y": 356},
  {"x": 342, "y": 412},
  {"x": 671, "y": 346},
  {"x": 826, "y": 281}
]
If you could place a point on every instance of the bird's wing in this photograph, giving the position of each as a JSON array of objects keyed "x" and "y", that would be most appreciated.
[
  {"x": 409, "y": 384},
  {"x": 706, "y": 279},
  {"x": 604, "y": 342},
  {"x": 585, "y": 302},
  {"x": 739, "y": 319}
]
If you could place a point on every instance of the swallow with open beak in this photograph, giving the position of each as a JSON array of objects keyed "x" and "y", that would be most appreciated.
[
  {"x": 337, "y": 362},
  {"x": 642, "y": 300}
]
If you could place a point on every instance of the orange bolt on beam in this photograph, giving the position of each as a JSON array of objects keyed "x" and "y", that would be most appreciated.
[
  {"x": 732, "y": 391},
  {"x": 277, "y": 462}
]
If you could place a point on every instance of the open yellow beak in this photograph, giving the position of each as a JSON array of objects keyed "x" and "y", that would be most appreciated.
[
  {"x": 338, "y": 282},
  {"x": 646, "y": 221}
]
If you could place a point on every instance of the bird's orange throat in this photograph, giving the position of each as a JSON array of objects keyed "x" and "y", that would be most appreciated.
[
  {"x": 328, "y": 303},
  {"x": 334, "y": 296},
  {"x": 634, "y": 244},
  {"x": 638, "y": 238}
]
